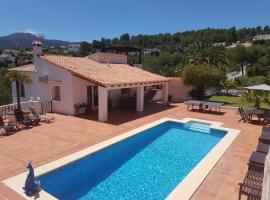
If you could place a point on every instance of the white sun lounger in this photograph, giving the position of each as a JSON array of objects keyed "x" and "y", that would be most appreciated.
[
  {"x": 212, "y": 105},
  {"x": 194, "y": 104}
]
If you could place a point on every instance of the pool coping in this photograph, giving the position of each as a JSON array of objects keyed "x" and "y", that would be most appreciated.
[{"x": 184, "y": 190}]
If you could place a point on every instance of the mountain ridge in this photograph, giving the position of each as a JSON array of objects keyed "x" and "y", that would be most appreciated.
[{"x": 24, "y": 40}]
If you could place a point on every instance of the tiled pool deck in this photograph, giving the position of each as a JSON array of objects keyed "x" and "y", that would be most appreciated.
[{"x": 68, "y": 134}]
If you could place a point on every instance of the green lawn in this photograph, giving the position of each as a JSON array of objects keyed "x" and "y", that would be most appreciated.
[{"x": 236, "y": 101}]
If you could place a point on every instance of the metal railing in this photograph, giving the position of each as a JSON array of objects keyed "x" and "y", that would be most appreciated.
[
  {"x": 46, "y": 106},
  {"x": 11, "y": 107}
]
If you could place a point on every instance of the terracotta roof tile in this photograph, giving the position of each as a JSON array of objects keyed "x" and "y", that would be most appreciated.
[
  {"x": 106, "y": 75},
  {"x": 176, "y": 80},
  {"x": 25, "y": 68}
]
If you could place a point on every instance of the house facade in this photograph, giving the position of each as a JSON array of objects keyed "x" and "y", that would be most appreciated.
[
  {"x": 95, "y": 80},
  {"x": 73, "y": 47}
]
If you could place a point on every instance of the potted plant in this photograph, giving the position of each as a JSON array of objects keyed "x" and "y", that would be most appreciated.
[{"x": 80, "y": 108}]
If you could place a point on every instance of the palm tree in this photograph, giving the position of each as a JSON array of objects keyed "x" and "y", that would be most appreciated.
[
  {"x": 18, "y": 78},
  {"x": 203, "y": 53}
]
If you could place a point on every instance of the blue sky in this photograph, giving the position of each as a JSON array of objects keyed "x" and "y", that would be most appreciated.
[{"x": 77, "y": 20}]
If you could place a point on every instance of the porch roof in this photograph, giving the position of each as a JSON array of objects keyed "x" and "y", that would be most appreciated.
[{"x": 105, "y": 74}]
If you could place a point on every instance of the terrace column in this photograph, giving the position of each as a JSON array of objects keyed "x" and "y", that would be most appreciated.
[
  {"x": 102, "y": 104},
  {"x": 140, "y": 98},
  {"x": 165, "y": 93}
]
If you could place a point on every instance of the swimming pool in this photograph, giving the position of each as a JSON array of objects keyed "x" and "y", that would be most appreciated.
[{"x": 146, "y": 164}]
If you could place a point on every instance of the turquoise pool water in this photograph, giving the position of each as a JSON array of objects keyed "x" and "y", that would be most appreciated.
[{"x": 148, "y": 165}]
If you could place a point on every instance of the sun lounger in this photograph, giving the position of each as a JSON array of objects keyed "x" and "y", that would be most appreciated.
[
  {"x": 211, "y": 105},
  {"x": 263, "y": 148},
  {"x": 46, "y": 118},
  {"x": 257, "y": 158},
  {"x": 27, "y": 122},
  {"x": 22, "y": 121},
  {"x": 252, "y": 183},
  {"x": 264, "y": 138},
  {"x": 267, "y": 119},
  {"x": 194, "y": 103},
  {"x": 266, "y": 129},
  {"x": 34, "y": 120},
  {"x": 7, "y": 128}
]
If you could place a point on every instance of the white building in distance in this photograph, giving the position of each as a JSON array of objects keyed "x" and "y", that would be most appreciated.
[{"x": 261, "y": 37}]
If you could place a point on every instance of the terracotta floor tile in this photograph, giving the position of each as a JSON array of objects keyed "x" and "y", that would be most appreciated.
[{"x": 69, "y": 134}]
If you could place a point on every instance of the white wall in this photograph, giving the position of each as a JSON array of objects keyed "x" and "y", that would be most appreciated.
[
  {"x": 66, "y": 104},
  {"x": 44, "y": 90},
  {"x": 115, "y": 96},
  {"x": 80, "y": 90},
  {"x": 178, "y": 91}
]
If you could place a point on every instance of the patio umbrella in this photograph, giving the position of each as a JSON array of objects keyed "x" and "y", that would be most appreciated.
[{"x": 261, "y": 87}]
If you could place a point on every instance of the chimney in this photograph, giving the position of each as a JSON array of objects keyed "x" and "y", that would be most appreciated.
[{"x": 37, "y": 47}]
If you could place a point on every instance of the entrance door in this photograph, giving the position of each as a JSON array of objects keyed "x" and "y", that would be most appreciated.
[
  {"x": 92, "y": 96},
  {"x": 95, "y": 96},
  {"x": 89, "y": 96}
]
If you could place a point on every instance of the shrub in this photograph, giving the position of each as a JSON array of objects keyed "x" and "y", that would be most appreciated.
[{"x": 201, "y": 77}]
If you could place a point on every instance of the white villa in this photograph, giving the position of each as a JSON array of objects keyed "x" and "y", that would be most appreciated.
[
  {"x": 67, "y": 81},
  {"x": 73, "y": 47}
]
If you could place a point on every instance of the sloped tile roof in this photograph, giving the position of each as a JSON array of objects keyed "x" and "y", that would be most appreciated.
[
  {"x": 25, "y": 68},
  {"x": 176, "y": 80},
  {"x": 105, "y": 75}
]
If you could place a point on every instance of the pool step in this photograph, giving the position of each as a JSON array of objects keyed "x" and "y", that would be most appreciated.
[{"x": 198, "y": 127}]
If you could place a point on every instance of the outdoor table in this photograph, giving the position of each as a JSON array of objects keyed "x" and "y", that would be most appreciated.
[{"x": 258, "y": 112}]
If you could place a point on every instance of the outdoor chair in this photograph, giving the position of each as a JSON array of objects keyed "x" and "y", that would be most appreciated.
[
  {"x": 8, "y": 128},
  {"x": 243, "y": 114},
  {"x": 45, "y": 118},
  {"x": 252, "y": 183}
]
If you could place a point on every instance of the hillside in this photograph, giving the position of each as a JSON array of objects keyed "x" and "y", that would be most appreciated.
[{"x": 24, "y": 40}]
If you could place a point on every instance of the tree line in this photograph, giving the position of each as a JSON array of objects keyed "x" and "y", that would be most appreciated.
[
  {"x": 189, "y": 54},
  {"x": 179, "y": 41}
]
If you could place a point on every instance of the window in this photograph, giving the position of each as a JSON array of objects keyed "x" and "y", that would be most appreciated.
[
  {"x": 56, "y": 93},
  {"x": 22, "y": 90}
]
